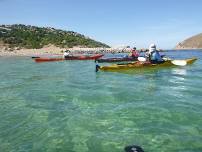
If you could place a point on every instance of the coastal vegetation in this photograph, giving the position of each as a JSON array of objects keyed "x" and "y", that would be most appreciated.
[
  {"x": 32, "y": 37},
  {"x": 194, "y": 42}
]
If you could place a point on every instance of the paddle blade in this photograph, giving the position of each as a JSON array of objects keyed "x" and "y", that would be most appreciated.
[
  {"x": 179, "y": 62},
  {"x": 142, "y": 59},
  {"x": 97, "y": 67},
  {"x": 166, "y": 58}
]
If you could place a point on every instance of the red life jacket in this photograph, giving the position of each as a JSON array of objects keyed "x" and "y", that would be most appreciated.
[{"x": 135, "y": 53}]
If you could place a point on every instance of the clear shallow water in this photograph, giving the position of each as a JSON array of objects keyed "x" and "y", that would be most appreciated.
[{"x": 66, "y": 106}]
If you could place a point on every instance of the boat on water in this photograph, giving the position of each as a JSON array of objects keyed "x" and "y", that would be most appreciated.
[
  {"x": 109, "y": 60},
  {"x": 82, "y": 57},
  {"x": 146, "y": 64}
]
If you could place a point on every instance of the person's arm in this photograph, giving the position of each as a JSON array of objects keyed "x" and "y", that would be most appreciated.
[{"x": 137, "y": 53}]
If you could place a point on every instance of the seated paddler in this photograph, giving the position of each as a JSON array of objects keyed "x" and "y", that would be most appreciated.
[
  {"x": 134, "y": 53},
  {"x": 154, "y": 55},
  {"x": 66, "y": 54}
]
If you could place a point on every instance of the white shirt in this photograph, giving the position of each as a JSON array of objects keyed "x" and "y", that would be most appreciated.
[{"x": 66, "y": 54}]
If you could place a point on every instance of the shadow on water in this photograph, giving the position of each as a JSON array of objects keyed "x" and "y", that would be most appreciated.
[{"x": 179, "y": 71}]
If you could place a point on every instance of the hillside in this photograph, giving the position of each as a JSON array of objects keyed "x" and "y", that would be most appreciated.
[
  {"x": 32, "y": 37},
  {"x": 194, "y": 42}
]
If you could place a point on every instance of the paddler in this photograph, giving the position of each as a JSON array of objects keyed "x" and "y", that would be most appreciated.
[
  {"x": 154, "y": 55},
  {"x": 66, "y": 54},
  {"x": 134, "y": 53}
]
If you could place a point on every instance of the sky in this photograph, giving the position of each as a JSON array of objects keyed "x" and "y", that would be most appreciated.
[{"x": 114, "y": 22}]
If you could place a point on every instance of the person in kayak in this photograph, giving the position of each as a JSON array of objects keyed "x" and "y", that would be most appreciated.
[
  {"x": 154, "y": 55},
  {"x": 134, "y": 53},
  {"x": 66, "y": 54}
]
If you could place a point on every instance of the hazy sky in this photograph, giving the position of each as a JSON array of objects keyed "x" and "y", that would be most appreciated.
[{"x": 114, "y": 22}]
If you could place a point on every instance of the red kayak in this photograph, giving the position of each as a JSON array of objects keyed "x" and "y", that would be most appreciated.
[{"x": 92, "y": 57}]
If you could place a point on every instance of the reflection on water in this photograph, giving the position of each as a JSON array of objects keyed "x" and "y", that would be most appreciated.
[
  {"x": 179, "y": 71},
  {"x": 177, "y": 82},
  {"x": 178, "y": 75}
]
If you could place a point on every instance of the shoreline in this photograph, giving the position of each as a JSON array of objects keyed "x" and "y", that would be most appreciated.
[
  {"x": 52, "y": 50},
  {"x": 187, "y": 48},
  {"x": 55, "y": 51}
]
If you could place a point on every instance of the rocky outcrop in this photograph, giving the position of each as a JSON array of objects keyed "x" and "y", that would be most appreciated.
[{"x": 194, "y": 42}]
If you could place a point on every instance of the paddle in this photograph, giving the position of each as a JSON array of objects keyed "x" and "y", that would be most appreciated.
[
  {"x": 179, "y": 62},
  {"x": 175, "y": 62},
  {"x": 97, "y": 67},
  {"x": 141, "y": 59}
]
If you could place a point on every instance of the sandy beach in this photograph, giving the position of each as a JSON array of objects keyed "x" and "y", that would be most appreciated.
[
  {"x": 49, "y": 50},
  {"x": 53, "y": 50}
]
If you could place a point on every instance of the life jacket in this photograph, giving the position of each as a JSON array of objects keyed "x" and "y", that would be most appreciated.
[
  {"x": 134, "y": 53},
  {"x": 155, "y": 56}
]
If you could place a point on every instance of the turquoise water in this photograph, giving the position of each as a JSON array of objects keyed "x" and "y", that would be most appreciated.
[{"x": 67, "y": 107}]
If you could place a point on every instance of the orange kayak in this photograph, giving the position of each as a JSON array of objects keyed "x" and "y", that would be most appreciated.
[{"x": 92, "y": 57}]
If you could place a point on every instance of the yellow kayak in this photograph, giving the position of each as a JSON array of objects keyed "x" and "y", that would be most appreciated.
[{"x": 138, "y": 65}]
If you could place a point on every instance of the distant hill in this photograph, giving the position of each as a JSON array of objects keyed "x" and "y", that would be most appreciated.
[
  {"x": 32, "y": 37},
  {"x": 194, "y": 42}
]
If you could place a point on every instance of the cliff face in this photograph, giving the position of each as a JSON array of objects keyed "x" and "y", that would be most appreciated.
[{"x": 194, "y": 42}]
